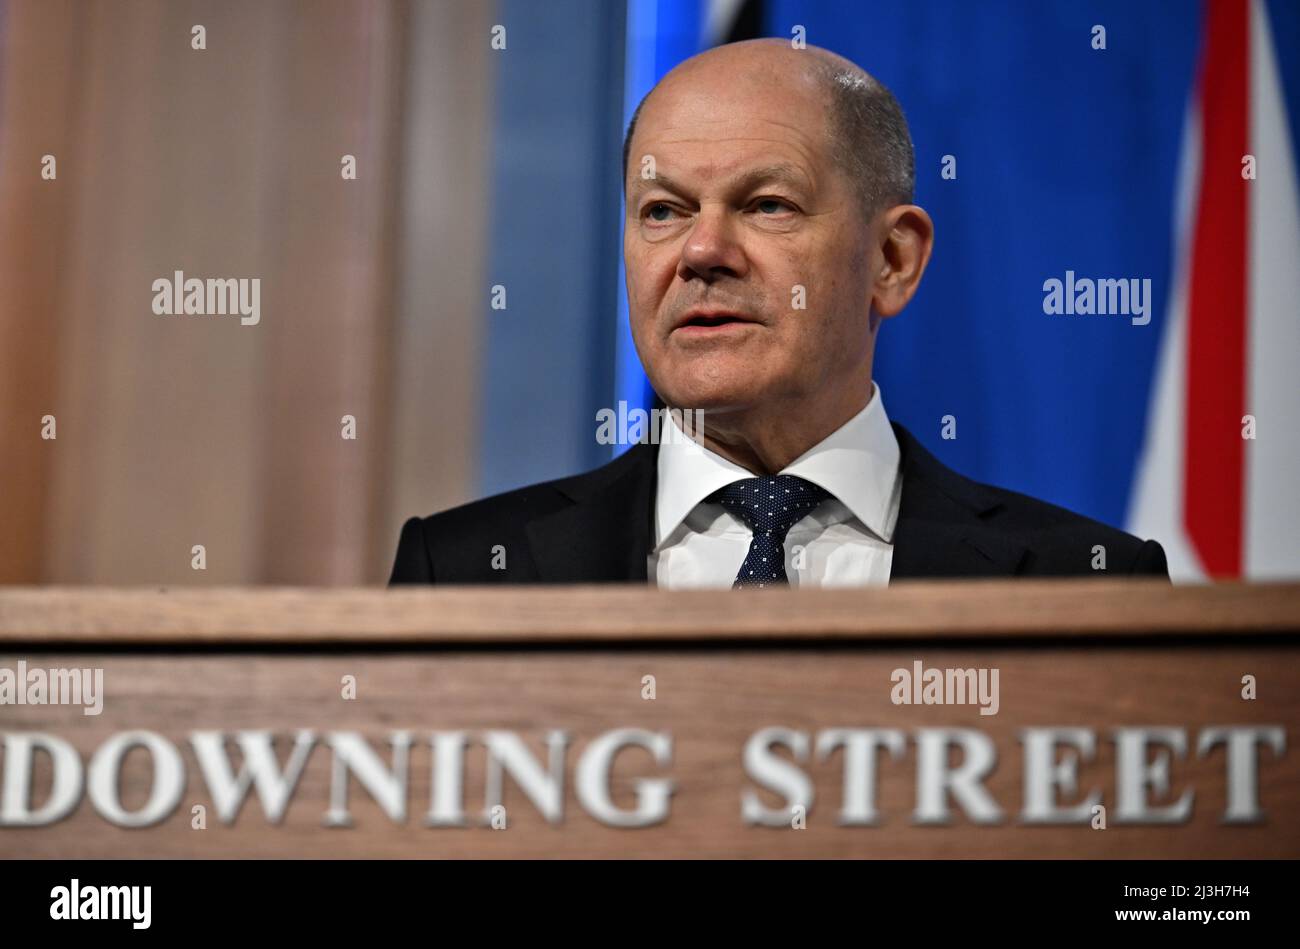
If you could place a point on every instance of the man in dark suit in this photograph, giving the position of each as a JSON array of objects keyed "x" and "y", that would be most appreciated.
[{"x": 770, "y": 230}]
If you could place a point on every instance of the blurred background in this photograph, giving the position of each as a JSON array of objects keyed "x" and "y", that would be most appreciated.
[{"x": 487, "y": 139}]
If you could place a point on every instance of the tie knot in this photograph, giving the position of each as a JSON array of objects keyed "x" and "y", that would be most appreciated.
[{"x": 770, "y": 505}]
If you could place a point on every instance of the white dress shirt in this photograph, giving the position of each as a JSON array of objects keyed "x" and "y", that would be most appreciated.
[{"x": 847, "y": 540}]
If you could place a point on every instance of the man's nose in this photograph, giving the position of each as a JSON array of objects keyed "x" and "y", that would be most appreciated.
[{"x": 712, "y": 247}]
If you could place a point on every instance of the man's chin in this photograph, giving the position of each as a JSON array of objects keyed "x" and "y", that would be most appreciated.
[{"x": 713, "y": 398}]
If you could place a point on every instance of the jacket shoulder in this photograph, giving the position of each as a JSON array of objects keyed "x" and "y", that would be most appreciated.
[
  {"x": 1060, "y": 542},
  {"x": 464, "y": 544},
  {"x": 1063, "y": 542}
]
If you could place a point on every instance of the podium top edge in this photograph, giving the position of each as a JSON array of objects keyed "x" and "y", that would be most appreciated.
[{"x": 610, "y": 614}]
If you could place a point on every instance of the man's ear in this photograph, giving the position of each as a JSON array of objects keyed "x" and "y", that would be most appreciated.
[{"x": 906, "y": 239}]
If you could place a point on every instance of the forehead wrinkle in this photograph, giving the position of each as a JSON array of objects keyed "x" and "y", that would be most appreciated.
[
  {"x": 804, "y": 146},
  {"x": 744, "y": 177},
  {"x": 742, "y": 131},
  {"x": 812, "y": 147}
]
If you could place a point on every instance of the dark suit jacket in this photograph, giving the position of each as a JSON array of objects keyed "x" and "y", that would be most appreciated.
[{"x": 598, "y": 528}]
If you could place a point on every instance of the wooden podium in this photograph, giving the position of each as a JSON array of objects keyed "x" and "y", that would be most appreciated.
[{"x": 1131, "y": 720}]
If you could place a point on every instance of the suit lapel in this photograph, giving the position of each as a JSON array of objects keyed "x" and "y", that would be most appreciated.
[
  {"x": 942, "y": 528},
  {"x": 927, "y": 549},
  {"x": 604, "y": 536}
]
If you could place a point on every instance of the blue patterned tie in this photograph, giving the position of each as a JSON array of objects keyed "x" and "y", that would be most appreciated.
[{"x": 770, "y": 506}]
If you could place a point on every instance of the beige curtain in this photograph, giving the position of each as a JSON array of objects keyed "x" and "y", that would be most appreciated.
[{"x": 225, "y": 162}]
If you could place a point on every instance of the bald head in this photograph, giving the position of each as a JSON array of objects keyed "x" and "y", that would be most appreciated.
[
  {"x": 768, "y": 233},
  {"x": 866, "y": 133}
]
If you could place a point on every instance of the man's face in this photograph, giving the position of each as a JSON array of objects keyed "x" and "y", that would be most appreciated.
[{"x": 747, "y": 254}]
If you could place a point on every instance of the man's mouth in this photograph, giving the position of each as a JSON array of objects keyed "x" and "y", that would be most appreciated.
[{"x": 714, "y": 322}]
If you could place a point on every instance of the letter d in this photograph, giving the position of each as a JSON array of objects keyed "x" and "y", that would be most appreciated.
[{"x": 16, "y": 790}]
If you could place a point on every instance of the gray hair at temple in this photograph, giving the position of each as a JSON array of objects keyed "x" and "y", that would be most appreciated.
[{"x": 869, "y": 136}]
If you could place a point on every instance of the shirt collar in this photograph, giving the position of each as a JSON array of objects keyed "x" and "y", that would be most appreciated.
[{"x": 857, "y": 463}]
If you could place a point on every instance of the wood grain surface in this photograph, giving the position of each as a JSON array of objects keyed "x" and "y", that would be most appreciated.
[
  {"x": 913, "y": 610},
  {"x": 804, "y": 661}
]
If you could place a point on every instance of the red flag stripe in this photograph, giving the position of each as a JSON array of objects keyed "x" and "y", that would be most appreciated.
[{"x": 1214, "y": 476}]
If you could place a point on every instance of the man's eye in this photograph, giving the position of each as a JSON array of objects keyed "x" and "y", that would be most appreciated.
[
  {"x": 771, "y": 205},
  {"x": 659, "y": 212}
]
